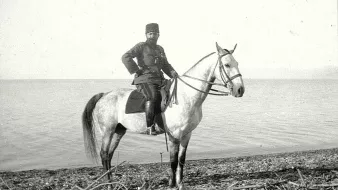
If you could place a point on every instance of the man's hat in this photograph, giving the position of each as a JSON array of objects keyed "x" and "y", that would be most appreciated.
[{"x": 152, "y": 27}]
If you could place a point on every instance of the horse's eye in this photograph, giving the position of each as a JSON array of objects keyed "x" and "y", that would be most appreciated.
[{"x": 227, "y": 65}]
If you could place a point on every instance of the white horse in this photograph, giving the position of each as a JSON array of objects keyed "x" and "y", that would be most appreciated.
[{"x": 107, "y": 111}]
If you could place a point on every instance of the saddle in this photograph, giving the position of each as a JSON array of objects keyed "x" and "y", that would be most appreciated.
[{"x": 136, "y": 100}]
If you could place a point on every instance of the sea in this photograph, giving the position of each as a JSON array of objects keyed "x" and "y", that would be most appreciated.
[{"x": 40, "y": 123}]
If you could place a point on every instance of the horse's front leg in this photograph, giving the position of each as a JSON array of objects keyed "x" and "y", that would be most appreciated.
[
  {"x": 181, "y": 160},
  {"x": 174, "y": 147}
]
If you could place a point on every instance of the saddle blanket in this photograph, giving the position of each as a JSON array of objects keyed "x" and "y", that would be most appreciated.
[{"x": 136, "y": 100}]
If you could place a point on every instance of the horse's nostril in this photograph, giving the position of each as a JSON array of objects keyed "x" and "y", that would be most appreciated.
[{"x": 240, "y": 90}]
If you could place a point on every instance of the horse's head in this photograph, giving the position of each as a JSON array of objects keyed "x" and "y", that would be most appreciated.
[{"x": 228, "y": 72}]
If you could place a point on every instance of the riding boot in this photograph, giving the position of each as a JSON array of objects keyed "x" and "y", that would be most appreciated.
[
  {"x": 150, "y": 116},
  {"x": 160, "y": 123}
]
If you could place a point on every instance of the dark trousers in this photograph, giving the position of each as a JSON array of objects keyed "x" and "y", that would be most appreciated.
[
  {"x": 150, "y": 91},
  {"x": 153, "y": 103}
]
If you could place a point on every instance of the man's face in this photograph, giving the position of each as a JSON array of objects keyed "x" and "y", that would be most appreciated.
[{"x": 152, "y": 37}]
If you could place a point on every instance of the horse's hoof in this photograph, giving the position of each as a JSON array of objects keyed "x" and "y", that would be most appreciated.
[
  {"x": 182, "y": 187},
  {"x": 171, "y": 184}
]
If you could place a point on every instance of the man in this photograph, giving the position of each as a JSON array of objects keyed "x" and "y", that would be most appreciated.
[{"x": 151, "y": 61}]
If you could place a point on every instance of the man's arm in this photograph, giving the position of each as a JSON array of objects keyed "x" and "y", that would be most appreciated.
[
  {"x": 166, "y": 67},
  {"x": 127, "y": 58}
]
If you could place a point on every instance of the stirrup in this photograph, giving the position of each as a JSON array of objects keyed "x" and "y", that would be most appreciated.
[{"x": 151, "y": 131}]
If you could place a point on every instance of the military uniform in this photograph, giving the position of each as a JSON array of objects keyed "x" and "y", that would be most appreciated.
[{"x": 151, "y": 61}]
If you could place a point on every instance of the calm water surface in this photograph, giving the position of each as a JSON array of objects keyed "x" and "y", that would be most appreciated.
[{"x": 40, "y": 122}]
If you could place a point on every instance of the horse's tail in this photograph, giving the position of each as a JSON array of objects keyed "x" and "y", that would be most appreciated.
[{"x": 88, "y": 129}]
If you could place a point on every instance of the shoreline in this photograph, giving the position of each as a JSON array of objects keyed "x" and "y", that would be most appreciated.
[
  {"x": 201, "y": 173},
  {"x": 205, "y": 155}
]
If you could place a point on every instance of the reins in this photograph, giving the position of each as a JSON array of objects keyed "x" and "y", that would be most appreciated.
[
  {"x": 222, "y": 73},
  {"x": 220, "y": 93},
  {"x": 173, "y": 95}
]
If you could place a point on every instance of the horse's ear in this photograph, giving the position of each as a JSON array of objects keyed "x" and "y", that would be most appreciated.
[
  {"x": 219, "y": 49},
  {"x": 232, "y": 51}
]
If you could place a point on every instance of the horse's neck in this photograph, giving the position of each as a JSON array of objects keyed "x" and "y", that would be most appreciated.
[{"x": 204, "y": 71}]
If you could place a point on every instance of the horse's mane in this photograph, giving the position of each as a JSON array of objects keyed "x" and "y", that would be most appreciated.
[{"x": 203, "y": 59}]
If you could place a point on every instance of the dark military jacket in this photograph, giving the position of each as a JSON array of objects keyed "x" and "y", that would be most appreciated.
[{"x": 151, "y": 61}]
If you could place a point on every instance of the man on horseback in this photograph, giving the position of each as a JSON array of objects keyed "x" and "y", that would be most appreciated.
[{"x": 151, "y": 61}]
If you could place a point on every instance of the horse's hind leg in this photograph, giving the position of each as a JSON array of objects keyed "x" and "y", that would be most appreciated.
[
  {"x": 110, "y": 141},
  {"x": 119, "y": 133},
  {"x": 104, "y": 153}
]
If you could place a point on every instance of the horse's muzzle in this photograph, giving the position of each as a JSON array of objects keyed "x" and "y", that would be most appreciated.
[{"x": 238, "y": 92}]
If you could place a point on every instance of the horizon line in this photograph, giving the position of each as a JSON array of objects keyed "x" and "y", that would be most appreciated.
[{"x": 322, "y": 78}]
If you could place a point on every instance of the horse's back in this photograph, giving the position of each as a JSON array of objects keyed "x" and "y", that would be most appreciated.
[
  {"x": 111, "y": 105},
  {"x": 116, "y": 94}
]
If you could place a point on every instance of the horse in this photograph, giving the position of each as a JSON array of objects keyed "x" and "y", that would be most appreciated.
[{"x": 106, "y": 111}]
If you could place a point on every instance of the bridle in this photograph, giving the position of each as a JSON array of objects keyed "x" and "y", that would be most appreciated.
[
  {"x": 226, "y": 79},
  {"x": 224, "y": 76}
]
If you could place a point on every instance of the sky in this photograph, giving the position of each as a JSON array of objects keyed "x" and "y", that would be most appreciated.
[{"x": 81, "y": 39}]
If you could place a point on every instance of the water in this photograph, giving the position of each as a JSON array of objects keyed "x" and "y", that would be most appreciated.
[{"x": 40, "y": 122}]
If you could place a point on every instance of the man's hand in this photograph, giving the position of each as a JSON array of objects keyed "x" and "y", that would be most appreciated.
[
  {"x": 139, "y": 72},
  {"x": 174, "y": 74}
]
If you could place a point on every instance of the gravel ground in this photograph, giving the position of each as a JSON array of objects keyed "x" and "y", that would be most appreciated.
[{"x": 315, "y": 169}]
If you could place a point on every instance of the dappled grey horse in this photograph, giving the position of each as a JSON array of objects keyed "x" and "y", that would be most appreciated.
[{"x": 106, "y": 111}]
